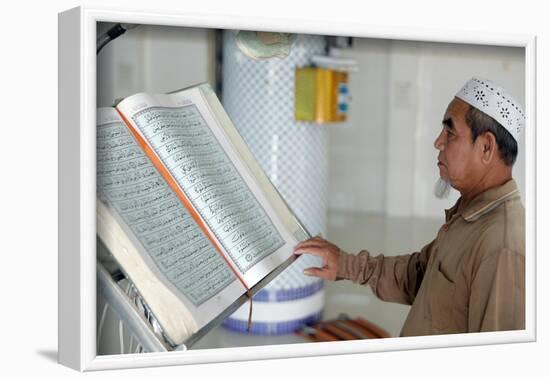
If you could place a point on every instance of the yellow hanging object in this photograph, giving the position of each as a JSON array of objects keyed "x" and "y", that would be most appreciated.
[{"x": 320, "y": 95}]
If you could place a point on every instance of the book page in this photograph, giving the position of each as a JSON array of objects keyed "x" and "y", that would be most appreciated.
[
  {"x": 180, "y": 130},
  {"x": 167, "y": 237},
  {"x": 277, "y": 206}
]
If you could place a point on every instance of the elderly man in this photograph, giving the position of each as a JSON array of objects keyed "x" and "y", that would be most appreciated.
[{"x": 471, "y": 277}]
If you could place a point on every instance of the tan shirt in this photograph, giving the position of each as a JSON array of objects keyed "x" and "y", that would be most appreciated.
[{"x": 470, "y": 278}]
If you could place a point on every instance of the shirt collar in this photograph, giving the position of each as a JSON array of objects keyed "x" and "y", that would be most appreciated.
[{"x": 485, "y": 202}]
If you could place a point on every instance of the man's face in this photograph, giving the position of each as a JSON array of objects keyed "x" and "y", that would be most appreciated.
[{"x": 457, "y": 158}]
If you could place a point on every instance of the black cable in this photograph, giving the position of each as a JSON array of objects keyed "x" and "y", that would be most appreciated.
[
  {"x": 116, "y": 31},
  {"x": 113, "y": 33}
]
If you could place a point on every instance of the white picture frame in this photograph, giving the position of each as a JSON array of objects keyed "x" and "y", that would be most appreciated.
[{"x": 77, "y": 229}]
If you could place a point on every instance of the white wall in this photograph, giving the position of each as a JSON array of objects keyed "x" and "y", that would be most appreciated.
[
  {"x": 357, "y": 172},
  {"x": 383, "y": 159},
  {"x": 154, "y": 59}
]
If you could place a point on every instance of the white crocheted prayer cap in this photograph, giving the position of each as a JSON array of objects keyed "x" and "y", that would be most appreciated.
[{"x": 492, "y": 99}]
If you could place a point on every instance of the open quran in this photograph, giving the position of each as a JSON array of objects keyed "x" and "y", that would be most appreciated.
[{"x": 185, "y": 210}]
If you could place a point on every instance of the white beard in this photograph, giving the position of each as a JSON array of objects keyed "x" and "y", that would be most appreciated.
[{"x": 442, "y": 188}]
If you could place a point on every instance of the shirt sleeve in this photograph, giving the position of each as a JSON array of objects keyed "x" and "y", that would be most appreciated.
[
  {"x": 497, "y": 295},
  {"x": 395, "y": 279}
]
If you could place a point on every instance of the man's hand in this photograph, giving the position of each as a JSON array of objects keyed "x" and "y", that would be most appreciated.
[{"x": 324, "y": 249}]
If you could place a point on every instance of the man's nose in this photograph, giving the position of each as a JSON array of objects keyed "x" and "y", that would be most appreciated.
[{"x": 438, "y": 142}]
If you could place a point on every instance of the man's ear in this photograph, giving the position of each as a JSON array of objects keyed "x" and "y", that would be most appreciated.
[{"x": 488, "y": 146}]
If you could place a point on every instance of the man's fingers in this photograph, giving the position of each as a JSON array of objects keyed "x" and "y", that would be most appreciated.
[
  {"x": 313, "y": 242},
  {"x": 315, "y": 271},
  {"x": 310, "y": 250},
  {"x": 319, "y": 247},
  {"x": 307, "y": 244},
  {"x": 323, "y": 273}
]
